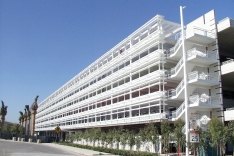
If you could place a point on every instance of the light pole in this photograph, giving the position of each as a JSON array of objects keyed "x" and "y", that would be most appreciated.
[{"x": 185, "y": 82}]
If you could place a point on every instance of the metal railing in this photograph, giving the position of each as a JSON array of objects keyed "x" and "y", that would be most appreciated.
[
  {"x": 176, "y": 68},
  {"x": 203, "y": 32},
  {"x": 228, "y": 61},
  {"x": 174, "y": 92},
  {"x": 195, "y": 75},
  {"x": 204, "y": 99},
  {"x": 202, "y": 53},
  {"x": 175, "y": 48},
  {"x": 175, "y": 114},
  {"x": 229, "y": 109}
]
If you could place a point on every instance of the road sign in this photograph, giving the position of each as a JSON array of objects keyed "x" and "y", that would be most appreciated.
[{"x": 194, "y": 137}]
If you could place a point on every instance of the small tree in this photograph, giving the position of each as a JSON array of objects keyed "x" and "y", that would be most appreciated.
[
  {"x": 131, "y": 139},
  {"x": 14, "y": 129},
  {"x": 231, "y": 133},
  {"x": 109, "y": 138},
  {"x": 116, "y": 136},
  {"x": 142, "y": 135},
  {"x": 219, "y": 134},
  {"x": 124, "y": 138},
  {"x": 138, "y": 142},
  {"x": 203, "y": 140},
  {"x": 70, "y": 137},
  {"x": 79, "y": 135},
  {"x": 97, "y": 134},
  {"x": 103, "y": 138},
  {"x": 91, "y": 135},
  {"x": 178, "y": 134},
  {"x": 151, "y": 134},
  {"x": 21, "y": 130},
  {"x": 165, "y": 132},
  {"x": 87, "y": 136}
]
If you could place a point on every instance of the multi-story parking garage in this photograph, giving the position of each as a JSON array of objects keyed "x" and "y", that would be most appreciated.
[{"x": 154, "y": 74}]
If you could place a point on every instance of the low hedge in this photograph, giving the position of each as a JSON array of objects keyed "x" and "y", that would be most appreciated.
[{"x": 110, "y": 150}]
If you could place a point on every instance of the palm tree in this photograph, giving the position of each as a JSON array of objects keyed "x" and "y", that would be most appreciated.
[
  {"x": 34, "y": 108},
  {"x": 28, "y": 114},
  {"x": 57, "y": 131},
  {"x": 3, "y": 113},
  {"x": 21, "y": 118}
]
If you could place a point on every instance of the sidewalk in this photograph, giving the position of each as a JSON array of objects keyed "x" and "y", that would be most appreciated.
[
  {"x": 72, "y": 150},
  {"x": 77, "y": 151}
]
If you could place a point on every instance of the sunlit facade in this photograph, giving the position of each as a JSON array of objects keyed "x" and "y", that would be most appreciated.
[{"x": 141, "y": 80}]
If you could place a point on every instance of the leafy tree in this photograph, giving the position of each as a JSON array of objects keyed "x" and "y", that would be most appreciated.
[
  {"x": 178, "y": 134},
  {"x": 165, "y": 133},
  {"x": 6, "y": 128},
  {"x": 91, "y": 135},
  {"x": 131, "y": 139},
  {"x": 109, "y": 138},
  {"x": 87, "y": 136},
  {"x": 14, "y": 129},
  {"x": 116, "y": 136},
  {"x": 70, "y": 137},
  {"x": 138, "y": 141},
  {"x": 103, "y": 138},
  {"x": 231, "y": 133},
  {"x": 97, "y": 134},
  {"x": 142, "y": 135},
  {"x": 21, "y": 130},
  {"x": 124, "y": 138},
  {"x": 79, "y": 135},
  {"x": 203, "y": 139},
  {"x": 151, "y": 133},
  {"x": 218, "y": 134}
]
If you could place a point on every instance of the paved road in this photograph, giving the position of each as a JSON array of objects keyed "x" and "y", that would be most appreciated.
[{"x": 10, "y": 148}]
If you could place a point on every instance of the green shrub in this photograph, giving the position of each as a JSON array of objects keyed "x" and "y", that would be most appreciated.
[{"x": 110, "y": 150}]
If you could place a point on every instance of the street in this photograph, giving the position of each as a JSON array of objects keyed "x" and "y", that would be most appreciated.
[{"x": 10, "y": 148}]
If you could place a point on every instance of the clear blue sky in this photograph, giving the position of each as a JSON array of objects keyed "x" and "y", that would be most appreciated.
[{"x": 44, "y": 43}]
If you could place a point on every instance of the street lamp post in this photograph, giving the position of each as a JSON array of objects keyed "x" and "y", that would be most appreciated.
[{"x": 185, "y": 82}]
